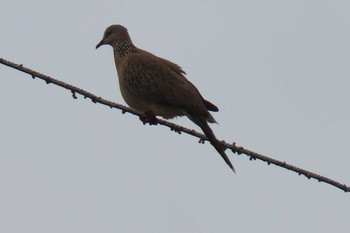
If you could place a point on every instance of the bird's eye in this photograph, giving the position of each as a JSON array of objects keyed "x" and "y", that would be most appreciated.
[{"x": 108, "y": 33}]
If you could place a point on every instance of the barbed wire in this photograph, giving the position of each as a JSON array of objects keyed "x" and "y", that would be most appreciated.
[{"x": 174, "y": 127}]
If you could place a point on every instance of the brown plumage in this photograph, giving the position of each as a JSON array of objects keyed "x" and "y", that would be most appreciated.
[{"x": 152, "y": 84}]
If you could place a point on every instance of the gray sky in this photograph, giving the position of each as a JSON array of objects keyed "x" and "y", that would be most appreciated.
[{"x": 278, "y": 71}]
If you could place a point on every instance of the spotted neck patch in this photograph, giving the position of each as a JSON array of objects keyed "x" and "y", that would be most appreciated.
[{"x": 123, "y": 48}]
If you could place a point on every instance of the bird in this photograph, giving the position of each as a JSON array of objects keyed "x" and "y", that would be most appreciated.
[{"x": 155, "y": 86}]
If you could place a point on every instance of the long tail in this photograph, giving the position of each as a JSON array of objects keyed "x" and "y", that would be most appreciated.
[{"x": 203, "y": 124}]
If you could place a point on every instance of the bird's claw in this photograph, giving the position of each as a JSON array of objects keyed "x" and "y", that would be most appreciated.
[{"x": 149, "y": 117}]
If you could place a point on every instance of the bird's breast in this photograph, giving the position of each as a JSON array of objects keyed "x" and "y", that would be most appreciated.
[{"x": 165, "y": 110}]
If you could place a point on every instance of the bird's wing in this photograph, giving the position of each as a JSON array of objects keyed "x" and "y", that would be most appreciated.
[
  {"x": 177, "y": 69},
  {"x": 157, "y": 80}
]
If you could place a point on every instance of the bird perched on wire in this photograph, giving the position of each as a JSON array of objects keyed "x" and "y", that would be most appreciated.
[{"x": 157, "y": 87}]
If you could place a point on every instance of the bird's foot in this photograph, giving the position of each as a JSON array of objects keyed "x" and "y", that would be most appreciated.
[{"x": 149, "y": 117}]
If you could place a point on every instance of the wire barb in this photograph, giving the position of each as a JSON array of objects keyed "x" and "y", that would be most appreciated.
[
  {"x": 177, "y": 128},
  {"x": 74, "y": 96}
]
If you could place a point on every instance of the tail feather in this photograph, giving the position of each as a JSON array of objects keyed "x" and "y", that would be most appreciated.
[{"x": 203, "y": 124}]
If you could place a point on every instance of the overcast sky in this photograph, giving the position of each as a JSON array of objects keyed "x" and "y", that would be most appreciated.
[{"x": 278, "y": 70}]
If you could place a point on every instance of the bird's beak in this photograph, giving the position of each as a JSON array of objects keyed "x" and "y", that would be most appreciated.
[{"x": 102, "y": 42}]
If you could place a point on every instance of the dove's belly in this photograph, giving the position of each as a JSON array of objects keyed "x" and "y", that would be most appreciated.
[{"x": 142, "y": 105}]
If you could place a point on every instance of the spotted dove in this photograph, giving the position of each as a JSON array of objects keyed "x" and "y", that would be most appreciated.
[{"x": 158, "y": 87}]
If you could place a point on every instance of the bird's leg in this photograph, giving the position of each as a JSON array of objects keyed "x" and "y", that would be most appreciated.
[{"x": 148, "y": 117}]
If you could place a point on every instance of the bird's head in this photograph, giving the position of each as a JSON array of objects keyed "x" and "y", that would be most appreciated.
[{"x": 113, "y": 35}]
